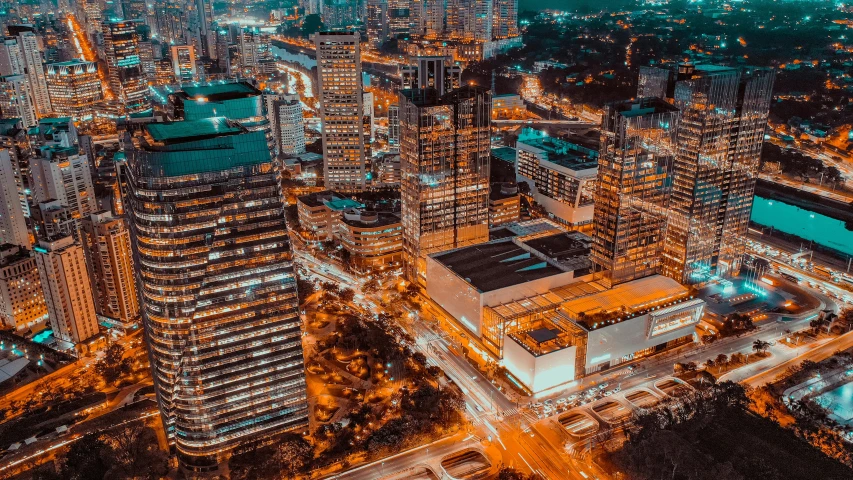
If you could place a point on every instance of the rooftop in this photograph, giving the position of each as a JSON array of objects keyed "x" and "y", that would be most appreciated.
[
  {"x": 190, "y": 130},
  {"x": 507, "y": 154},
  {"x": 559, "y": 151},
  {"x": 330, "y": 199},
  {"x": 376, "y": 220},
  {"x": 624, "y": 301},
  {"x": 569, "y": 249}
]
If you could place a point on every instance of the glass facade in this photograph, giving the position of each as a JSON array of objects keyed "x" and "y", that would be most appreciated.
[
  {"x": 74, "y": 88},
  {"x": 444, "y": 160},
  {"x": 124, "y": 65},
  {"x": 217, "y": 286},
  {"x": 633, "y": 189},
  {"x": 724, "y": 113}
]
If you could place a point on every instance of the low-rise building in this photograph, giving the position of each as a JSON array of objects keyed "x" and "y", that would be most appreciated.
[
  {"x": 507, "y": 105},
  {"x": 374, "y": 240},
  {"x": 318, "y": 213},
  {"x": 560, "y": 174}
]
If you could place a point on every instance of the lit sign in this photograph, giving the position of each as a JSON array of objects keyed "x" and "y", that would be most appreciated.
[{"x": 767, "y": 281}]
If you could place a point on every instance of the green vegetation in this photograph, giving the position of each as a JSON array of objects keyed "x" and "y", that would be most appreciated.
[{"x": 712, "y": 434}]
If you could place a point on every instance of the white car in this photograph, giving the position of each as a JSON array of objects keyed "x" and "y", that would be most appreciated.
[
  {"x": 573, "y": 397},
  {"x": 561, "y": 401}
]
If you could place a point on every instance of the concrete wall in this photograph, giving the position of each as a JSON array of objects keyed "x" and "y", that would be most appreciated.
[{"x": 543, "y": 372}]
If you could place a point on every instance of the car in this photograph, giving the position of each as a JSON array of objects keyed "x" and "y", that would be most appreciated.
[
  {"x": 603, "y": 386},
  {"x": 537, "y": 405},
  {"x": 572, "y": 397},
  {"x": 608, "y": 393},
  {"x": 548, "y": 409},
  {"x": 548, "y": 402},
  {"x": 561, "y": 401}
]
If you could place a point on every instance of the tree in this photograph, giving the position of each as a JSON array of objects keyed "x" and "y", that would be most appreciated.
[
  {"x": 136, "y": 452},
  {"x": 818, "y": 323},
  {"x": 346, "y": 295},
  {"x": 294, "y": 454},
  {"x": 509, "y": 473},
  {"x": 113, "y": 366},
  {"x": 86, "y": 459},
  {"x": 760, "y": 346},
  {"x": 311, "y": 24},
  {"x": 305, "y": 288},
  {"x": 722, "y": 360}
]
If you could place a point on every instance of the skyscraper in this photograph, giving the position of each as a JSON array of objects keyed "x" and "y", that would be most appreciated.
[
  {"x": 341, "y": 110},
  {"x": 432, "y": 72},
  {"x": 377, "y": 22},
  {"x": 505, "y": 21},
  {"x": 13, "y": 225},
  {"x": 470, "y": 20},
  {"x": 399, "y": 17},
  {"x": 428, "y": 17},
  {"x": 21, "y": 297},
  {"x": 34, "y": 63},
  {"x": 67, "y": 290},
  {"x": 124, "y": 65},
  {"x": 636, "y": 157},
  {"x": 106, "y": 243},
  {"x": 285, "y": 113},
  {"x": 183, "y": 63},
  {"x": 74, "y": 88},
  {"x": 724, "y": 113},
  {"x": 63, "y": 174},
  {"x": 15, "y": 99},
  {"x": 444, "y": 154},
  {"x": 218, "y": 292}
]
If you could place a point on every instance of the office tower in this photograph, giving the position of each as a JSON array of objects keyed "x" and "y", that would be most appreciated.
[
  {"x": 341, "y": 109},
  {"x": 21, "y": 298},
  {"x": 505, "y": 21},
  {"x": 637, "y": 153},
  {"x": 470, "y": 20},
  {"x": 399, "y": 17},
  {"x": 428, "y": 17},
  {"x": 124, "y": 65},
  {"x": 238, "y": 101},
  {"x": 724, "y": 114},
  {"x": 13, "y": 225},
  {"x": 133, "y": 9},
  {"x": 31, "y": 53},
  {"x": 74, "y": 88},
  {"x": 15, "y": 99},
  {"x": 444, "y": 156},
  {"x": 223, "y": 54},
  {"x": 183, "y": 63},
  {"x": 377, "y": 22},
  {"x": 94, "y": 11},
  {"x": 369, "y": 113},
  {"x": 106, "y": 242},
  {"x": 63, "y": 174},
  {"x": 146, "y": 52},
  {"x": 285, "y": 114},
  {"x": 394, "y": 125},
  {"x": 52, "y": 219},
  {"x": 221, "y": 315},
  {"x": 432, "y": 72},
  {"x": 67, "y": 289}
]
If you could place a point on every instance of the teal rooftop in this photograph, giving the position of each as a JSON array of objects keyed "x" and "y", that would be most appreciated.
[
  {"x": 190, "y": 130},
  {"x": 222, "y": 91}
]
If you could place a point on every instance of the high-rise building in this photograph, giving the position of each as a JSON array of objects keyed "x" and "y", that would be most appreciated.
[
  {"x": 505, "y": 21},
  {"x": 74, "y": 88},
  {"x": 67, "y": 289},
  {"x": 108, "y": 254},
  {"x": 15, "y": 99},
  {"x": 339, "y": 13},
  {"x": 218, "y": 292},
  {"x": 63, "y": 174},
  {"x": 14, "y": 140},
  {"x": 11, "y": 57},
  {"x": 399, "y": 17},
  {"x": 204, "y": 12},
  {"x": 724, "y": 113},
  {"x": 124, "y": 65},
  {"x": 183, "y": 63},
  {"x": 394, "y": 125},
  {"x": 428, "y": 17},
  {"x": 13, "y": 225},
  {"x": 637, "y": 153},
  {"x": 254, "y": 48},
  {"x": 146, "y": 51},
  {"x": 285, "y": 115},
  {"x": 470, "y": 20},
  {"x": 34, "y": 63},
  {"x": 341, "y": 110},
  {"x": 21, "y": 298},
  {"x": 444, "y": 155},
  {"x": 377, "y": 22},
  {"x": 432, "y": 72}
]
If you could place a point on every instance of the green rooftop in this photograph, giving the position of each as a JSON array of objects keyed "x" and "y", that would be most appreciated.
[
  {"x": 343, "y": 204},
  {"x": 507, "y": 154},
  {"x": 191, "y": 129}
]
